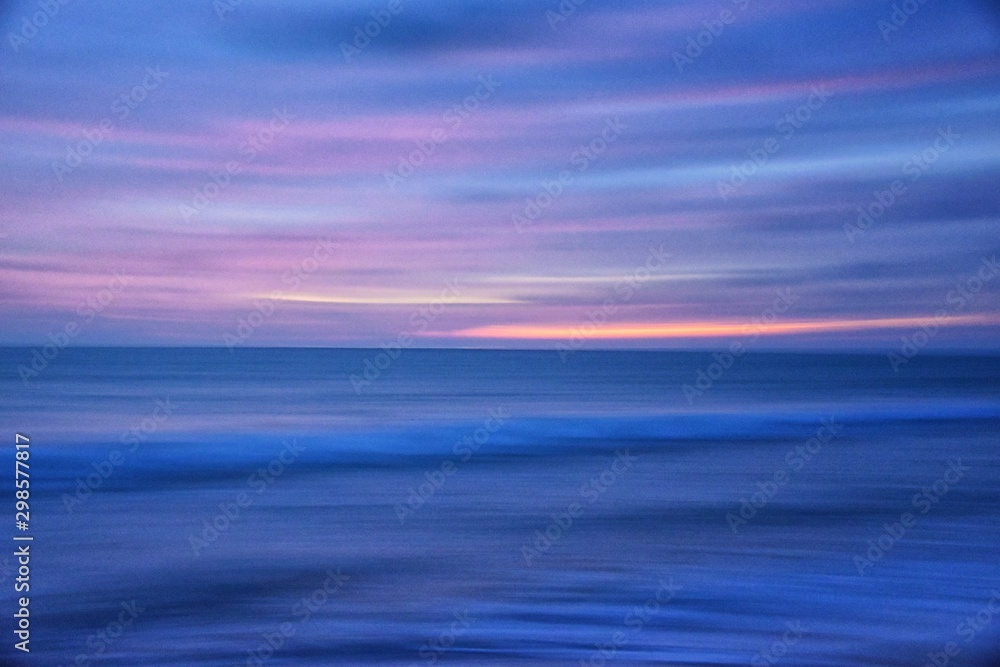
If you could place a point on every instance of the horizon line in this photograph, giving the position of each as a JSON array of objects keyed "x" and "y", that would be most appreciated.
[{"x": 944, "y": 351}]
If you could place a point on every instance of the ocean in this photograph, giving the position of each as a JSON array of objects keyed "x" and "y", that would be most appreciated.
[{"x": 471, "y": 507}]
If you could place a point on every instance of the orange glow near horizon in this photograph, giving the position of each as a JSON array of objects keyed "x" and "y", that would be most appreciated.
[{"x": 624, "y": 331}]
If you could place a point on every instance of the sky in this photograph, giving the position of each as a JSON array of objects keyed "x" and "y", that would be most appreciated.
[{"x": 500, "y": 174}]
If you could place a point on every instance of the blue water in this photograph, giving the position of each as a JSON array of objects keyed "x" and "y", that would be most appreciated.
[{"x": 406, "y": 524}]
